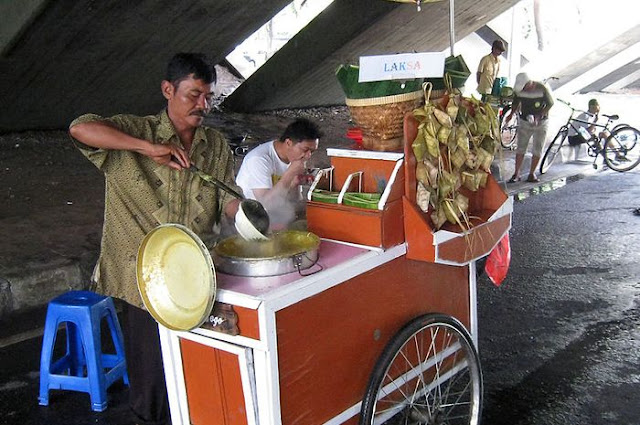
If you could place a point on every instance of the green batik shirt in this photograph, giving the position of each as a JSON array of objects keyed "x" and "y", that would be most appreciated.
[{"x": 141, "y": 194}]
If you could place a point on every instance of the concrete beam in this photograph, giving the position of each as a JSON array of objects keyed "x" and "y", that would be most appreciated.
[
  {"x": 623, "y": 82},
  {"x": 109, "y": 57},
  {"x": 611, "y": 64},
  {"x": 403, "y": 29},
  {"x": 340, "y": 22},
  {"x": 16, "y": 16}
]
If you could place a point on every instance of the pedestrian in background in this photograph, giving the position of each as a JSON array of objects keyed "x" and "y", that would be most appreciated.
[
  {"x": 489, "y": 68},
  {"x": 532, "y": 100}
]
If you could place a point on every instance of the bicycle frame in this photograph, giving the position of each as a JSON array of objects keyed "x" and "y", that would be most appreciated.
[{"x": 595, "y": 143}]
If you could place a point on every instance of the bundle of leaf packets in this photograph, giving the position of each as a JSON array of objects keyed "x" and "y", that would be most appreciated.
[{"x": 455, "y": 146}]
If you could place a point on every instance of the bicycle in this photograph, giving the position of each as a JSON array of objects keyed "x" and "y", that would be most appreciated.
[
  {"x": 507, "y": 128},
  {"x": 620, "y": 146}
]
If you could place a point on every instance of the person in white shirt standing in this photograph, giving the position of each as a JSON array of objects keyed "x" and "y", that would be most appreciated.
[
  {"x": 489, "y": 68},
  {"x": 272, "y": 172}
]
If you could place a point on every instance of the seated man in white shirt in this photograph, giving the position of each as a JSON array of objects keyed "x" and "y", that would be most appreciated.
[
  {"x": 272, "y": 172},
  {"x": 577, "y": 136}
]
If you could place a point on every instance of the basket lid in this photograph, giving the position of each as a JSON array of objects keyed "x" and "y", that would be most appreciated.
[{"x": 176, "y": 277}]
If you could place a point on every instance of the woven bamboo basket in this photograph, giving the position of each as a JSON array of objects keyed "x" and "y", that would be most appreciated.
[{"x": 381, "y": 119}]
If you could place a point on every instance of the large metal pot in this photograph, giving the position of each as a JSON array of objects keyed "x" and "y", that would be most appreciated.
[{"x": 285, "y": 252}]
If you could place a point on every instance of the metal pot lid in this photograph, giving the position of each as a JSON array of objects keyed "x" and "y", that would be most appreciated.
[{"x": 176, "y": 277}]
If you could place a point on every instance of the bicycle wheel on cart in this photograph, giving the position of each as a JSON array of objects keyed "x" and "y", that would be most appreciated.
[
  {"x": 508, "y": 128},
  {"x": 622, "y": 149},
  {"x": 429, "y": 373},
  {"x": 553, "y": 149}
]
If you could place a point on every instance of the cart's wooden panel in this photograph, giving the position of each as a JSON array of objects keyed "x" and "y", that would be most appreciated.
[
  {"x": 236, "y": 320},
  {"x": 357, "y": 225},
  {"x": 214, "y": 386},
  {"x": 481, "y": 241},
  {"x": 248, "y": 322},
  {"x": 460, "y": 249},
  {"x": 373, "y": 172},
  {"x": 486, "y": 229},
  {"x": 329, "y": 343}
]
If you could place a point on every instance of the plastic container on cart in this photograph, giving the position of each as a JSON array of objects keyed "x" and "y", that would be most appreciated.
[
  {"x": 489, "y": 210},
  {"x": 368, "y": 207},
  {"x": 355, "y": 134}
]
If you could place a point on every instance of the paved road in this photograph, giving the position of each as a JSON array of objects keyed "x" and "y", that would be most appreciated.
[{"x": 559, "y": 340}]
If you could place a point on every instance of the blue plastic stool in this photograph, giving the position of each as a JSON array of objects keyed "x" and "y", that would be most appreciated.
[{"x": 82, "y": 312}]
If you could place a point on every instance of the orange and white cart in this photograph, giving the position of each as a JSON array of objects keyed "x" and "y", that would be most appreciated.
[{"x": 383, "y": 325}]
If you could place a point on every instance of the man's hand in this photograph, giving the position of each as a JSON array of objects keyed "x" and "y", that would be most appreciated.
[
  {"x": 291, "y": 177},
  {"x": 169, "y": 155}
]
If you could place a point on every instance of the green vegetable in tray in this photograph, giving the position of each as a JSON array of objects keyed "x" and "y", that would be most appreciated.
[
  {"x": 320, "y": 195},
  {"x": 362, "y": 200}
]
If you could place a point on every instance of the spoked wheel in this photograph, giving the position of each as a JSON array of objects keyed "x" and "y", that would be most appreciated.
[
  {"x": 617, "y": 126},
  {"x": 508, "y": 129},
  {"x": 553, "y": 149},
  {"x": 428, "y": 374},
  {"x": 622, "y": 149}
]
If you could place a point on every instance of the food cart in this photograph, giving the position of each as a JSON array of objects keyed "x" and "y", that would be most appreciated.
[{"x": 382, "y": 318}]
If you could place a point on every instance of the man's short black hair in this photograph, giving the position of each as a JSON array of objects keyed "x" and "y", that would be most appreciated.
[
  {"x": 182, "y": 65},
  {"x": 301, "y": 129}
]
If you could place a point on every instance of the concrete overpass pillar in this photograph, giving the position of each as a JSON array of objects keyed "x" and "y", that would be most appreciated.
[{"x": 514, "y": 53}]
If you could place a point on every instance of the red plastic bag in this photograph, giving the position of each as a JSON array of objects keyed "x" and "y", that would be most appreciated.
[{"x": 497, "y": 264}]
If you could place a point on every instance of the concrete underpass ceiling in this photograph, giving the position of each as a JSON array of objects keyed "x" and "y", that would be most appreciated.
[
  {"x": 62, "y": 58},
  {"x": 75, "y": 56},
  {"x": 302, "y": 74}
]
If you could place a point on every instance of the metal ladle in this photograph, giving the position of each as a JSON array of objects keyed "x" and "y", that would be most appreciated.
[{"x": 252, "y": 220}]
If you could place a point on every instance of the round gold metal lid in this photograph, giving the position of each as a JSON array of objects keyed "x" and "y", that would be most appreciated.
[{"x": 176, "y": 277}]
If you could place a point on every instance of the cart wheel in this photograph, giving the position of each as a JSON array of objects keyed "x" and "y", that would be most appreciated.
[{"x": 429, "y": 373}]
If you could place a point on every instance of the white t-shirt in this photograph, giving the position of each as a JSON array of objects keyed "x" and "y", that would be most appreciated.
[
  {"x": 261, "y": 169},
  {"x": 584, "y": 116}
]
